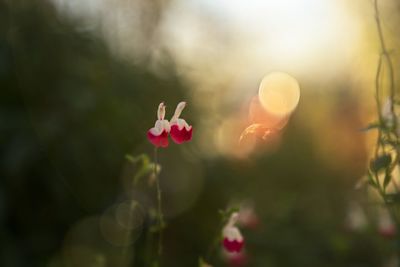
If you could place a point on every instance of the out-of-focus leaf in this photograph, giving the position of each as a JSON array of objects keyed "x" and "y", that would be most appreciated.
[
  {"x": 203, "y": 263},
  {"x": 380, "y": 163},
  {"x": 393, "y": 198},
  {"x": 387, "y": 180},
  {"x": 146, "y": 168},
  {"x": 371, "y": 180},
  {"x": 152, "y": 214},
  {"x": 374, "y": 125},
  {"x": 143, "y": 171},
  {"x": 226, "y": 214},
  {"x": 157, "y": 228},
  {"x": 142, "y": 157},
  {"x": 393, "y": 143}
]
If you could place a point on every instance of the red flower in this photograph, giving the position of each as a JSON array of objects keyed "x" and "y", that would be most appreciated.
[
  {"x": 233, "y": 245},
  {"x": 233, "y": 240},
  {"x": 180, "y": 131},
  {"x": 158, "y": 135}
]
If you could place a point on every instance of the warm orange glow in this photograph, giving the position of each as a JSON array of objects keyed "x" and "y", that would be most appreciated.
[
  {"x": 258, "y": 115},
  {"x": 228, "y": 139},
  {"x": 279, "y": 93}
]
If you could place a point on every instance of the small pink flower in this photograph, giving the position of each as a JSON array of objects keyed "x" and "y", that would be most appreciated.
[
  {"x": 158, "y": 135},
  {"x": 386, "y": 226},
  {"x": 236, "y": 259},
  {"x": 233, "y": 240},
  {"x": 180, "y": 131},
  {"x": 247, "y": 216}
]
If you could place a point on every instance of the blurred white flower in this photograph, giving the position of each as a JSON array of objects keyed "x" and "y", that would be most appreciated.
[{"x": 355, "y": 218}]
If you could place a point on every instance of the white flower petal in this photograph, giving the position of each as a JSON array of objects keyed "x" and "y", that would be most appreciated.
[
  {"x": 160, "y": 126},
  {"x": 232, "y": 233},
  {"x": 178, "y": 110},
  {"x": 181, "y": 124},
  {"x": 161, "y": 111}
]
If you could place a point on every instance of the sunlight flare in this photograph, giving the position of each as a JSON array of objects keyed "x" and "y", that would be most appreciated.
[{"x": 279, "y": 93}]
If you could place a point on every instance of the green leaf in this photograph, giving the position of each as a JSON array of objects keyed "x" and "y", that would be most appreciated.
[
  {"x": 143, "y": 171},
  {"x": 374, "y": 125},
  {"x": 201, "y": 262},
  {"x": 371, "y": 180},
  {"x": 387, "y": 180},
  {"x": 157, "y": 228},
  {"x": 146, "y": 167},
  {"x": 142, "y": 157},
  {"x": 393, "y": 198},
  {"x": 393, "y": 143},
  {"x": 380, "y": 163},
  {"x": 129, "y": 158}
]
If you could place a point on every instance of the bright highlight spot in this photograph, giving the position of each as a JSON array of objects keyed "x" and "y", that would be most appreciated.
[
  {"x": 258, "y": 115},
  {"x": 279, "y": 93}
]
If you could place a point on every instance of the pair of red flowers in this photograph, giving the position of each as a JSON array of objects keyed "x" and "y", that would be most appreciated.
[{"x": 178, "y": 128}]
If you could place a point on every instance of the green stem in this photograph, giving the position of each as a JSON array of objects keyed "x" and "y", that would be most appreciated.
[
  {"x": 148, "y": 248},
  {"x": 386, "y": 57},
  {"x": 218, "y": 236},
  {"x": 213, "y": 246},
  {"x": 394, "y": 217},
  {"x": 159, "y": 210}
]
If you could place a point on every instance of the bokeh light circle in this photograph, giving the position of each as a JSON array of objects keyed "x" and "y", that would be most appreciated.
[
  {"x": 121, "y": 224},
  {"x": 279, "y": 93}
]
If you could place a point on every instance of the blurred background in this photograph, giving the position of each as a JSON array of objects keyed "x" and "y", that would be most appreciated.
[{"x": 80, "y": 83}]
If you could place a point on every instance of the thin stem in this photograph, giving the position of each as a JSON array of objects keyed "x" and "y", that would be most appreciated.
[
  {"x": 218, "y": 237},
  {"x": 159, "y": 210},
  {"x": 393, "y": 215},
  {"x": 378, "y": 104},
  {"x": 382, "y": 193},
  {"x": 378, "y": 24},
  {"x": 384, "y": 56},
  {"x": 213, "y": 246},
  {"x": 148, "y": 247}
]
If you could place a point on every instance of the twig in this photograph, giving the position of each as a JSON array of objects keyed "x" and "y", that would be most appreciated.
[{"x": 159, "y": 210}]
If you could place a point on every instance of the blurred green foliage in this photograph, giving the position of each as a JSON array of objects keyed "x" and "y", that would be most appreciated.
[{"x": 69, "y": 113}]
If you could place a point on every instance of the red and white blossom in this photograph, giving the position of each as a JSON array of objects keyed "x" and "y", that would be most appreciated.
[
  {"x": 181, "y": 131},
  {"x": 158, "y": 135},
  {"x": 233, "y": 240}
]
